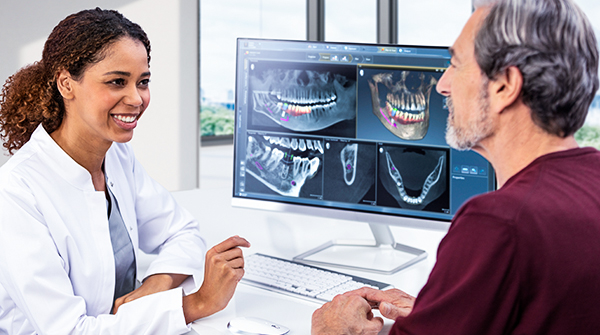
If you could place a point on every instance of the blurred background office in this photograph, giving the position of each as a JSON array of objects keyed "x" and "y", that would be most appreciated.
[{"x": 184, "y": 139}]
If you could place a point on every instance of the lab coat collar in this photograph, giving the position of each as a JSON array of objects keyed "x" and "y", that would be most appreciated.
[{"x": 61, "y": 162}]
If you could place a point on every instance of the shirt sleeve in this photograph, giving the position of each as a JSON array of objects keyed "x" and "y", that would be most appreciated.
[
  {"x": 167, "y": 229},
  {"x": 473, "y": 287}
]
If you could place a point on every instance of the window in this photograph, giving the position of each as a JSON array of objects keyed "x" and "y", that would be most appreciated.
[
  {"x": 221, "y": 23},
  {"x": 351, "y": 21},
  {"x": 431, "y": 22}
]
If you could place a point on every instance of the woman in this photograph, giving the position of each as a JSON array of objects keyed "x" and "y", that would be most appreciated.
[{"x": 75, "y": 205}]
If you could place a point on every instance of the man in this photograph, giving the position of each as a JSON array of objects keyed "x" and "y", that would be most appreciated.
[{"x": 524, "y": 259}]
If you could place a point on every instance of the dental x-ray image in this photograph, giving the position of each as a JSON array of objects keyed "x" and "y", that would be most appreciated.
[
  {"x": 413, "y": 178},
  {"x": 401, "y": 101},
  {"x": 288, "y": 166},
  {"x": 349, "y": 171},
  {"x": 303, "y": 98}
]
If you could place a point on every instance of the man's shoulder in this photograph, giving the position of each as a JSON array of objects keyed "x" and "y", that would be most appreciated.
[
  {"x": 549, "y": 185},
  {"x": 506, "y": 204},
  {"x": 500, "y": 205}
]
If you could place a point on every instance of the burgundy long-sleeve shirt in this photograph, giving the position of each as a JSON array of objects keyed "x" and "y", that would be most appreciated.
[{"x": 521, "y": 260}]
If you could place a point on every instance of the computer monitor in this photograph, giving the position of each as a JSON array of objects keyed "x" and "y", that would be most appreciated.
[{"x": 350, "y": 131}]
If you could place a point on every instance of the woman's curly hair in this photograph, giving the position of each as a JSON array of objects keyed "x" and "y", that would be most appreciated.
[{"x": 30, "y": 96}]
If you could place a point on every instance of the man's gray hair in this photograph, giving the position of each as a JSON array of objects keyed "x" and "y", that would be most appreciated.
[{"x": 552, "y": 43}]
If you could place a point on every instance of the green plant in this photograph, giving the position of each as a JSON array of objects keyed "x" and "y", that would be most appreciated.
[
  {"x": 588, "y": 136},
  {"x": 216, "y": 120}
]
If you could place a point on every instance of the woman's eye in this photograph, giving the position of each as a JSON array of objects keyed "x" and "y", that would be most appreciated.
[
  {"x": 119, "y": 82},
  {"x": 144, "y": 82}
]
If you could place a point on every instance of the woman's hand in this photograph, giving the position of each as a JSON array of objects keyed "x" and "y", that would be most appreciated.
[
  {"x": 224, "y": 268},
  {"x": 153, "y": 284}
]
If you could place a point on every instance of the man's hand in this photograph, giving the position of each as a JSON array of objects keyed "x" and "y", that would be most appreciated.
[
  {"x": 391, "y": 303},
  {"x": 153, "y": 284},
  {"x": 223, "y": 270},
  {"x": 345, "y": 314}
]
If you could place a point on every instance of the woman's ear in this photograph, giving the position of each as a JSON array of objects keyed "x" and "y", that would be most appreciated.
[{"x": 64, "y": 83}]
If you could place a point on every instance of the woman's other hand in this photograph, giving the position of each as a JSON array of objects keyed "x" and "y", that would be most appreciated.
[{"x": 223, "y": 270}]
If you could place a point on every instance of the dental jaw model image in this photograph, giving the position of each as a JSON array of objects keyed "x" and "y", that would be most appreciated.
[
  {"x": 401, "y": 102},
  {"x": 283, "y": 164},
  {"x": 303, "y": 100},
  {"x": 413, "y": 188}
]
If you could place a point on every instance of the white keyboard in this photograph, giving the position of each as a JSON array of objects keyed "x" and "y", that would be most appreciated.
[{"x": 301, "y": 280}]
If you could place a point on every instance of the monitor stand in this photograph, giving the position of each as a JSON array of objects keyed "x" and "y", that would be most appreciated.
[{"x": 383, "y": 255}]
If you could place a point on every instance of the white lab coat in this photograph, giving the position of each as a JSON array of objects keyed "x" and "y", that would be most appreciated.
[{"x": 57, "y": 271}]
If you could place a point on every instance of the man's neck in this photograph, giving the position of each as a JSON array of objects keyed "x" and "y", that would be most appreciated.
[{"x": 517, "y": 143}]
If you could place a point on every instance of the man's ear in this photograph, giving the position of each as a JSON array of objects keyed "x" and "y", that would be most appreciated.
[
  {"x": 505, "y": 89},
  {"x": 64, "y": 83}
]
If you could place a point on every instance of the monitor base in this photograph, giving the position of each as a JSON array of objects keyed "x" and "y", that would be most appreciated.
[{"x": 383, "y": 255}]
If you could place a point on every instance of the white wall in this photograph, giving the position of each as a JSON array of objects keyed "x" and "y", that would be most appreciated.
[{"x": 166, "y": 141}]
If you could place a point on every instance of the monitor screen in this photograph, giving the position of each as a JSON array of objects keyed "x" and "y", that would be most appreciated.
[{"x": 346, "y": 127}]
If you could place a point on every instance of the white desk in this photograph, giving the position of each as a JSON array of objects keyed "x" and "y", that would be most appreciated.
[{"x": 287, "y": 235}]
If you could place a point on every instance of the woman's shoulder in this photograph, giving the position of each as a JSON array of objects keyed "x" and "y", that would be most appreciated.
[
  {"x": 25, "y": 159},
  {"x": 29, "y": 153}
]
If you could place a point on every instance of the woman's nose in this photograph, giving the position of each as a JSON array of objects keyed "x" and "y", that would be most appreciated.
[{"x": 133, "y": 97}]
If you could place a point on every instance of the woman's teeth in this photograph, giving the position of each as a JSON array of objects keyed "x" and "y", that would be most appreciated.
[{"x": 126, "y": 119}]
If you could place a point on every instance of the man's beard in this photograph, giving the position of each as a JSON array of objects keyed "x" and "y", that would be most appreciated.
[{"x": 477, "y": 129}]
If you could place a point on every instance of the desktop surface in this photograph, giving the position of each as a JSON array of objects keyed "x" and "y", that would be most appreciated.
[{"x": 285, "y": 235}]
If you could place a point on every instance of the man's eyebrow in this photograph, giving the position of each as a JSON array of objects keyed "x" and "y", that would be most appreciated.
[{"x": 453, "y": 56}]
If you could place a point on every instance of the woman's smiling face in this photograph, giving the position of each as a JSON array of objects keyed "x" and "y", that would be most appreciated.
[{"x": 111, "y": 95}]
